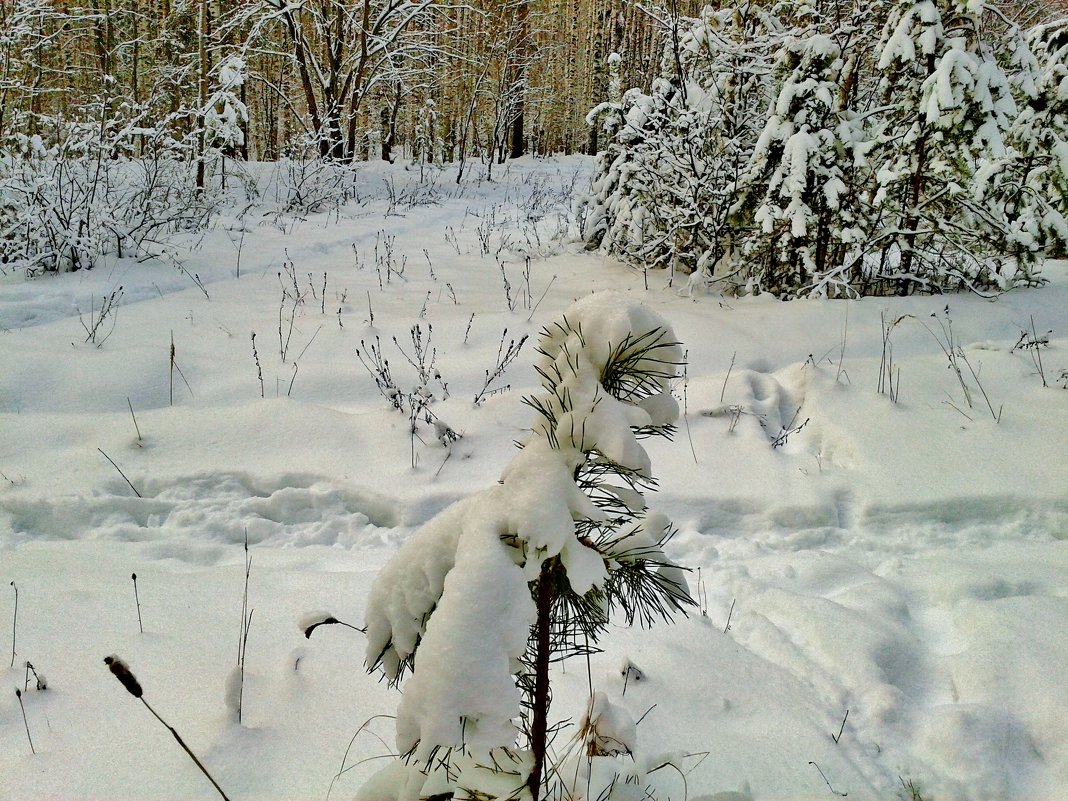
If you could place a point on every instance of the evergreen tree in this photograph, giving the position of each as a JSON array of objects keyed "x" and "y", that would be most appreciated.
[
  {"x": 1029, "y": 186},
  {"x": 948, "y": 107},
  {"x": 500, "y": 585},
  {"x": 802, "y": 183}
]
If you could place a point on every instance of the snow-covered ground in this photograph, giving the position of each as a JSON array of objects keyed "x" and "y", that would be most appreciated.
[{"x": 905, "y": 563}]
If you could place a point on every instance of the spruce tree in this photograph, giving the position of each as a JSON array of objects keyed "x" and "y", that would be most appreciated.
[{"x": 949, "y": 105}]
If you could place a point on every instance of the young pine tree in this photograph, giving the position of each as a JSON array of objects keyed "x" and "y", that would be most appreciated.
[
  {"x": 479, "y": 602},
  {"x": 949, "y": 105},
  {"x": 801, "y": 186},
  {"x": 1028, "y": 187}
]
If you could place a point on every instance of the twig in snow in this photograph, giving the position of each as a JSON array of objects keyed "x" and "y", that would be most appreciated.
[
  {"x": 723, "y": 390},
  {"x": 256, "y": 358},
  {"x": 817, "y": 767},
  {"x": 14, "y": 622},
  {"x": 138, "y": 494},
  {"x": 26, "y": 723},
  {"x": 841, "y": 729},
  {"x": 137, "y": 600},
  {"x": 137, "y": 428}
]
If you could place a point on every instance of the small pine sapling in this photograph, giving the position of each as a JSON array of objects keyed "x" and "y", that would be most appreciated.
[{"x": 502, "y": 584}]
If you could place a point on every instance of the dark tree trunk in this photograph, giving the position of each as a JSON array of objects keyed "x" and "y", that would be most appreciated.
[
  {"x": 539, "y": 725},
  {"x": 518, "y": 144}
]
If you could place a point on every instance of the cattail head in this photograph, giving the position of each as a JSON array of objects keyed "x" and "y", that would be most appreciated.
[{"x": 122, "y": 672}]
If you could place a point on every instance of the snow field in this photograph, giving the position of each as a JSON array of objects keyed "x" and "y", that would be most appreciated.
[{"x": 904, "y": 561}]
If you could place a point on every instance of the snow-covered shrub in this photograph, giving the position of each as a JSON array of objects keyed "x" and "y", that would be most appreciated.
[
  {"x": 103, "y": 183},
  {"x": 665, "y": 187},
  {"x": 795, "y": 150},
  {"x": 948, "y": 105},
  {"x": 309, "y": 184},
  {"x": 485, "y": 596},
  {"x": 800, "y": 192},
  {"x": 225, "y": 116},
  {"x": 1029, "y": 184}
]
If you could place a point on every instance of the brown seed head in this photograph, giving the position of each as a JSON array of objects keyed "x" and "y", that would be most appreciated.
[{"x": 119, "y": 669}]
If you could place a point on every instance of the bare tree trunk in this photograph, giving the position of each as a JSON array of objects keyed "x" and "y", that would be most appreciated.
[
  {"x": 202, "y": 96},
  {"x": 522, "y": 67}
]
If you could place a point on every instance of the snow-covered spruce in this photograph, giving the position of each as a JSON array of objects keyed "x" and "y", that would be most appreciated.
[
  {"x": 787, "y": 151},
  {"x": 503, "y": 582}
]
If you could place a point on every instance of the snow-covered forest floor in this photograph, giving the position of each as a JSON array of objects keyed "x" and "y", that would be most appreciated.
[{"x": 903, "y": 563}]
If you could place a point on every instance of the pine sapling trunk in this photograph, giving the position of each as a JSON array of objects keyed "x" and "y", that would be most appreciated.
[{"x": 539, "y": 724}]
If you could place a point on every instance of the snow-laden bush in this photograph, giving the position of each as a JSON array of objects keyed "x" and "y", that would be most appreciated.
[
  {"x": 107, "y": 183},
  {"x": 947, "y": 107},
  {"x": 665, "y": 187},
  {"x": 480, "y": 601},
  {"x": 802, "y": 185},
  {"x": 802, "y": 153},
  {"x": 1030, "y": 183}
]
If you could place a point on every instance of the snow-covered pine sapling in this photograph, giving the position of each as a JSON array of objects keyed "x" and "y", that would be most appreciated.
[
  {"x": 505, "y": 356},
  {"x": 121, "y": 671},
  {"x": 502, "y": 584}
]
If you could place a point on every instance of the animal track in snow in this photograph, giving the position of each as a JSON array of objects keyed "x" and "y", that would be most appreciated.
[{"x": 290, "y": 510}]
